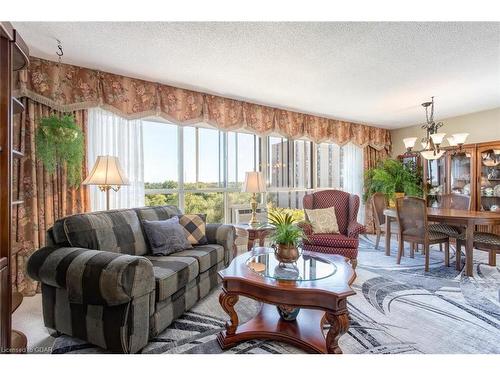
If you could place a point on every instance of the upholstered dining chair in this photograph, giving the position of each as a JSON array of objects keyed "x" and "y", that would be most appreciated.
[
  {"x": 414, "y": 228},
  {"x": 346, "y": 211},
  {"x": 489, "y": 242},
  {"x": 456, "y": 202},
  {"x": 379, "y": 204}
]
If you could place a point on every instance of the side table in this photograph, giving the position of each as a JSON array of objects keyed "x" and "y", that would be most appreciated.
[{"x": 255, "y": 233}]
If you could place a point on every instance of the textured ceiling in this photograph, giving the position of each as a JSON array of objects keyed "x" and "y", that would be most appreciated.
[{"x": 375, "y": 73}]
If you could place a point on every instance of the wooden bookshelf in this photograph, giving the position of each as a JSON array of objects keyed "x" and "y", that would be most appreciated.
[{"x": 13, "y": 57}]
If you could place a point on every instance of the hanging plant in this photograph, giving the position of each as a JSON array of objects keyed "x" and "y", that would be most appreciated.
[{"x": 59, "y": 143}]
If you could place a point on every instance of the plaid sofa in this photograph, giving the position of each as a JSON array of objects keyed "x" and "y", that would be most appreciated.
[{"x": 100, "y": 284}]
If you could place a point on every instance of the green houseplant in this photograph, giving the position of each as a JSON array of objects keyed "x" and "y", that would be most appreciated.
[
  {"x": 59, "y": 143},
  {"x": 393, "y": 178},
  {"x": 287, "y": 236}
]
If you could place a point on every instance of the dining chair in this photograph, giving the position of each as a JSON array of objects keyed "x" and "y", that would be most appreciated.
[
  {"x": 379, "y": 204},
  {"x": 489, "y": 242},
  {"x": 456, "y": 202},
  {"x": 411, "y": 213}
]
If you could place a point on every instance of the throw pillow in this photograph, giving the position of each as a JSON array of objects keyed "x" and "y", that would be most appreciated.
[
  {"x": 195, "y": 228},
  {"x": 166, "y": 236},
  {"x": 323, "y": 220}
]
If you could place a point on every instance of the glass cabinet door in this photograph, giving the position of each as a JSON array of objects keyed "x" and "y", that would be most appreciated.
[
  {"x": 436, "y": 180},
  {"x": 461, "y": 173},
  {"x": 489, "y": 199}
]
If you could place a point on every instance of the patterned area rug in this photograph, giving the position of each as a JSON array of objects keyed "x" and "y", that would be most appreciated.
[{"x": 397, "y": 309}]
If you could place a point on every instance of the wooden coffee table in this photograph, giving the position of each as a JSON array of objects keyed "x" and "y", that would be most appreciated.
[{"x": 317, "y": 289}]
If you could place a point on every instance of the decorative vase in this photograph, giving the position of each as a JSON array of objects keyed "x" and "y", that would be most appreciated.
[
  {"x": 286, "y": 253},
  {"x": 392, "y": 201},
  {"x": 288, "y": 313}
]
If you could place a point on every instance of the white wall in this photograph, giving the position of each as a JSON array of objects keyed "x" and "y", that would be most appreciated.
[{"x": 482, "y": 127}]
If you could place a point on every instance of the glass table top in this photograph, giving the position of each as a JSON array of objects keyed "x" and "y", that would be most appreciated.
[{"x": 307, "y": 268}]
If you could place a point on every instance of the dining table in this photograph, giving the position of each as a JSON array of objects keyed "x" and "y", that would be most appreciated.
[{"x": 465, "y": 218}]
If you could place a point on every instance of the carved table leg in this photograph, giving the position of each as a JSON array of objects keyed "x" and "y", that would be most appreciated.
[
  {"x": 227, "y": 301},
  {"x": 339, "y": 324}
]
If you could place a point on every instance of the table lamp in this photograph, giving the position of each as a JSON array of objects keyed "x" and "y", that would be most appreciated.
[
  {"x": 254, "y": 184},
  {"x": 107, "y": 174}
]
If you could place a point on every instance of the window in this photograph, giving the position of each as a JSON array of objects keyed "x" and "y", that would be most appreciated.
[
  {"x": 352, "y": 177},
  {"x": 289, "y": 171},
  {"x": 211, "y": 204},
  {"x": 302, "y": 167},
  {"x": 202, "y": 170},
  {"x": 328, "y": 165},
  {"x": 210, "y": 173},
  {"x": 161, "y": 173},
  {"x": 278, "y": 162}
]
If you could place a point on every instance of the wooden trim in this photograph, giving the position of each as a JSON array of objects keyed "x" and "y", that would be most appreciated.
[
  {"x": 5, "y": 184},
  {"x": 17, "y": 154},
  {"x": 20, "y": 53},
  {"x": 17, "y": 106},
  {"x": 13, "y": 56},
  {"x": 6, "y": 30},
  {"x": 17, "y": 299}
]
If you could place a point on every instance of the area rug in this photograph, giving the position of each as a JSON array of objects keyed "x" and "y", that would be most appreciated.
[{"x": 396, "y": 309}]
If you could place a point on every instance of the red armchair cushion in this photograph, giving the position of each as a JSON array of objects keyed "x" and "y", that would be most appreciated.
[
  {"x": 332, "y": 240},
  {"x": 331, "y": 198}
]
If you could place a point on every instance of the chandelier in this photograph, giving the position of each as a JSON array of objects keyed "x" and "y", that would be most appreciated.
[{"x": 433, "y": 139}]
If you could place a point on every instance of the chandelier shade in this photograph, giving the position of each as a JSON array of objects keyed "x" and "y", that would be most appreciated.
[
  {"x": 410, "y": 142},
  {"x": 437, "y": 138},
  {"x": 460, "y": 138},
  {"x": 451, "y": 141},
  {"x": 431, "y": 154}
]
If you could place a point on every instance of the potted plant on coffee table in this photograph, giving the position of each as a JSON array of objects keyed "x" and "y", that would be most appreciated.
[{"x": 287, "y": 236}]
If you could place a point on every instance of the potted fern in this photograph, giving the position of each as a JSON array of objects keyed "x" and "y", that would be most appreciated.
[
  {"x": 287, "y": 236},
  {"x": 394, "y": 179},
  {"x": 59, "y": 143}
]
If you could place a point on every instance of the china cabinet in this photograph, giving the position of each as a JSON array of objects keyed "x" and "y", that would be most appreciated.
[
  {"x": 475, "y": 172},
  {"x": 488, "y": 181}
]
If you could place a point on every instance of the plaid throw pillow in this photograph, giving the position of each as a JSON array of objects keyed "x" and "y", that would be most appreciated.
[{"x": 195, "y": 227}]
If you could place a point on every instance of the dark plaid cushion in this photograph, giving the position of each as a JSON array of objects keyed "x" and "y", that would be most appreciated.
[
  {"x": 157, "y": 212},
  {"x": 449, "y": 230},
  {"x": 483, "y": 238},
  {"x": 195, "y": 227},
  {"x": 207, "y": 255},
  {"x": 172, "y": 273},
  {"x": 166, "y": 236},
  {"x": 118, "y": 231}
]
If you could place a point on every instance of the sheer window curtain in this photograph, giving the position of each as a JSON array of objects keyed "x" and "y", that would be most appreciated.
[
  {"x": 109, "y": 134},
  {"x": 353, "y": 175}
]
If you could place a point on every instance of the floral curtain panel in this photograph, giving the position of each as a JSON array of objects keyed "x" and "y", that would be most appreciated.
[
  {"x": 46, "y": 198},
  {"x": 371, "y": 157},
  {"x": 68, "y": 88}
]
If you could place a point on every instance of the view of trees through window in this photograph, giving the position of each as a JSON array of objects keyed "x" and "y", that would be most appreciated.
[{"x": 202, "y": 170}]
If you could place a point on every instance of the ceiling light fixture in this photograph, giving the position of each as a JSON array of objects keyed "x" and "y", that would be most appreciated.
[{"x": 432, "y": 141}]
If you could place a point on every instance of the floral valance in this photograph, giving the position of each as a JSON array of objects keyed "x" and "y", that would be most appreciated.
[{"x": 67, "y": 88}]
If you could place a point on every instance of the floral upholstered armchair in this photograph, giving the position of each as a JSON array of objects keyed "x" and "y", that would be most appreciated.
[{"x": 346, "y": 210}]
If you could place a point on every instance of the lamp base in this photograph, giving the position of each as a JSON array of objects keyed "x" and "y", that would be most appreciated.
[{"x": 253, "y": 220}]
